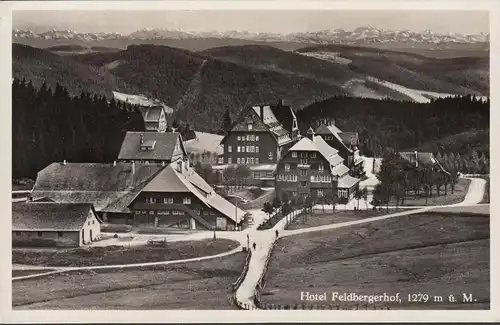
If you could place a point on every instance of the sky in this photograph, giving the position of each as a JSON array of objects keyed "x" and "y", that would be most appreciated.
[{"x": 467, "y": 22}]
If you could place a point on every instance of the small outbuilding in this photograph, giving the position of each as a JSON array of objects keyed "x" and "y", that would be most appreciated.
[{"x": 54, "y": 224}]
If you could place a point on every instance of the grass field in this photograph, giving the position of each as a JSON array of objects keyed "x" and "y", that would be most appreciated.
[
  {"x": 16, "y": 273},
  {"x": 320, "y": 218},
  {"x": 434, "y": 254},
  {"x": 196, "y": 285},
  {"x": 458, "y": 196},
  {"x": 113, "y": 255}
]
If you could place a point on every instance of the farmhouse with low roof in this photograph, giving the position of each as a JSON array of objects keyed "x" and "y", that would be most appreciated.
[
  {"x": 54, "y": 224},
  {"x": 167, "y": 196},
  {"x": 422, "y": 159}
]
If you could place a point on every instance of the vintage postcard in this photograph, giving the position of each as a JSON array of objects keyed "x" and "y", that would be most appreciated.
[{"x": 297, "y": 160}]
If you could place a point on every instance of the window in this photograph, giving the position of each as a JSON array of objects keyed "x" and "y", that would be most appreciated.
[
  {"x": 256, "y": 161},
  {"x": 238, "y": 149},
  {"x": 229, "y": 160},
  {"x": 303, "y": 155},
  {"x": 168, "y": 200},
  {"x": 294, "y": 154},
  {"x": 39, "y": 234},
  {"x": 248, "y": 160},
  {"x": 252, "y": 137},
  {"x": 250, "y": 126},
  {"x": 243, "y": 149},
  {"x": 238, "y": 160},
  {"x": 239, "y": 138},
  {"x": 93, "y": 222},
  {"x": 150, "y": 200},
  {"x": 59, "y": 234},
  {"x": 321, "y": 167},
  {"x": 270, "y": 155},
  {"x": 256, "y": 148},
  {"x": 175, "y": 212},
  {"x": 320, "y": 192},
  {"x": 313, "y": 155},
  {"x": 256, "y": 174},
  {"x": 229, "y": 149},
  {"x": 256, "y": 138},
  {"x": 303, "y": 184},
  {"x": 144, "y": 212},
  {"x": 269, "y": 174},
  {"x": 248, "y": 137},
  {"x": 249, "y": 148},
  {"x": 303, "y": 161},
  {"x": 287, "y": 167},
  {"x": 151, "y": 212},
  {"x": 187, "y": 200},
  {"x": 294, "y": 193},
  {"x": 303, "y": 172},
  {"x": 221, "y": 160}
]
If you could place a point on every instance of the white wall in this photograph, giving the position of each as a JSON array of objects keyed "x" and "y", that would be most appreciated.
[{"x": 90, "y": 224}]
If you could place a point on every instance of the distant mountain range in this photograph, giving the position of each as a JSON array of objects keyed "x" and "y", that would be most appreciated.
[{"x": 359, "y": 36}]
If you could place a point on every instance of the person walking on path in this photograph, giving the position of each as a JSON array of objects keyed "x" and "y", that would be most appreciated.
[
  {"x": 277, "y": 233},
  {"x": 254, "y": 246}
]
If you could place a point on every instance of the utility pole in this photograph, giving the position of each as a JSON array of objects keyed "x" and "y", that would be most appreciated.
[
  {"x": 248, "y": 241},
  {"x": 236, "y": 214}
]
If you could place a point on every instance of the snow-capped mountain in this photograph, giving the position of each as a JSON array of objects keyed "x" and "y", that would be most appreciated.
[{"x": 360, "y": 35}]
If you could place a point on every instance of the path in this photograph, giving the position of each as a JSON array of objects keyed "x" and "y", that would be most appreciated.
[{"x": 246, "y": 292}]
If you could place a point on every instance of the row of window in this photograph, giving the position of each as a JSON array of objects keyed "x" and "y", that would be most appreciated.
[
  {"x": 262, "y": 174},
  {"x": 168, "y": 200},
  {"x": 248, "y": 137},
  {"x": 321, "y": 167},
  {"x": 39, "y": 234},
  {"x": 244, "y": 149},
  {"x": 321, "y": 179},
  {"x": 248, "y": 160},
  {"x": 304, "y": 154},
  {"x": 173, "y": 212},
  {"x": 287, "y": 178}
]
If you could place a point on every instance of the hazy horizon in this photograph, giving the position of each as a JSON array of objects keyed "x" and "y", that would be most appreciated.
[{"x": 125, "y": 22}]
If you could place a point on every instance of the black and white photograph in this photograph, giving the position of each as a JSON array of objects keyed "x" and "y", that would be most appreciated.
[{"x": 250, "y": 159}]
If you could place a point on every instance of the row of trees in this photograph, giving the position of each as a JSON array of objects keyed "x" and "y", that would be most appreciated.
[
  {"x": 471, "y": 164},
  {"x": 50, "y": 125},
  {"x": 400, "y": 125},
  {"x": 398, "y": 177}
]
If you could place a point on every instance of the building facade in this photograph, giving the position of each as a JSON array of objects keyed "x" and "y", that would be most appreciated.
[
  {"x": 54, "y": 224},
  {"x": 258, "y": 138},
  {"x": 345, "y": 142},
  {"x": 154, "y": 119},
  {"x": 152, "y": 148},
  {"x": 311, "y": 168}
]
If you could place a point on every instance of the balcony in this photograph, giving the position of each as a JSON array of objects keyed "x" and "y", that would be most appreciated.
[{"x": 304, "y": 166}]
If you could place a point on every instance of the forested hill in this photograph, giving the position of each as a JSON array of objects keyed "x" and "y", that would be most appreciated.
[
  {"x": 438, "y": 126},
  {"x": 50, "y": 126}
]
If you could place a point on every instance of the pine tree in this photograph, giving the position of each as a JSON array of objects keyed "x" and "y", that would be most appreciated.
[{"x": 226, "y": 122}]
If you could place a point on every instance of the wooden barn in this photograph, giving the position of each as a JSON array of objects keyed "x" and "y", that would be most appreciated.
[{"x": 54, "y": 224}]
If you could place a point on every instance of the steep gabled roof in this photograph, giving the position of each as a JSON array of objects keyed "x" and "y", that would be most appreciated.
[
  {"x": 49, "y": 216},
  {"x": 164, "y": 145},
  {"x": 304, "y": 144},
  {"x": 188, "y": 181},
  {"x": 319, "y": 145},
  {"x": 337, "y": 133},
  {"x": 110, "y": 188},
  {"x": 152, "y": 113}
]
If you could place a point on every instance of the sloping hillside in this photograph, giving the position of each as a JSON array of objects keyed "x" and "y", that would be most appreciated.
[
  {"x": 463, "y": 143},
  {"x": 41, "y": 66},
  {"x": 207, "y": 86},
  {"x": 465, "y": 75}
]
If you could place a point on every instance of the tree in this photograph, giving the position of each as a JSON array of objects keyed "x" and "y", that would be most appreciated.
[
  {"x": 230, "y": 175},
  {"x": 268, "y": 208},
  {"x": 364, "y": 195},
  {"x": 358, "y": 195},
  {"x": 242, "y": 173},
  {"x": 276, "y": 204},
  {"x": 226, "y": 122}
]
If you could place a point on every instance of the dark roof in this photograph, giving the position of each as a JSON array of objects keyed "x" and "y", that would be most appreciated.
[
  {"x": 49, "y": 216},
  {"x": 151, "y": 113},
  {"x": 424, "y": 158},
  {"x": 284, "y": 114},
  {"x": 164, "y": 145},
  {"x": 350, "y": 138},
  {"x": 110, "y": 188}
]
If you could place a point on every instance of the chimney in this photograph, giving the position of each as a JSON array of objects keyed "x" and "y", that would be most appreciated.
[
  {"x": 416, "y": 158},
  {"x": 114, "y": 163},
  {"x": 133, "y": 167},
  {"x": 142, "y": 138},
  {"x": 310, "y": 134},
  {"x": 64, "y": 162}
]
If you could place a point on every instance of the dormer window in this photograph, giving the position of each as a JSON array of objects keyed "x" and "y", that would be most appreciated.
[
  {"x": 148, "y": 145},
  {"x": 250, "y": 126}
]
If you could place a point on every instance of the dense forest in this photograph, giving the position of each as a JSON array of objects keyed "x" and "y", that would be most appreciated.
[
  {"x": 449, "y": 125},
  {"x": 51, "y": 125}
]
